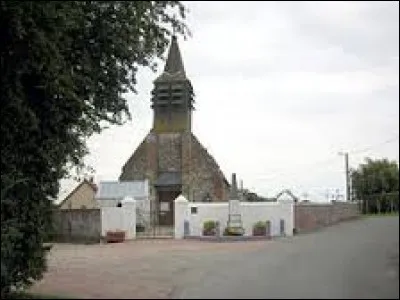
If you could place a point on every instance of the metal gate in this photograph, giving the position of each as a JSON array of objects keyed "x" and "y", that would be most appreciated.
[{"x": 148, "y": 222}]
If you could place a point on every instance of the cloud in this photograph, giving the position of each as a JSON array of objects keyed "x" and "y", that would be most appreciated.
[{"x": 280, "y": 87}]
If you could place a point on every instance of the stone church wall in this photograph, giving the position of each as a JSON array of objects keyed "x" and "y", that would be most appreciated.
[
  {"x": 135, "y": 167},
  {"x": 205, "y": 175},
  {"x": 180, "y": 152},
  {"x": 169, "y": 152}
]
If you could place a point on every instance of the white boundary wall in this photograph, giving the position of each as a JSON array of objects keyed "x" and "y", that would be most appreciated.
[
  {"x": 251, "y": 212},
  {"x": 120, "y": 218}
]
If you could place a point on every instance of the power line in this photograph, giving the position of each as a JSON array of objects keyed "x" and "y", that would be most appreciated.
[
  {"x": 274, "y": 175},
  {"x": 374, "y": 146}
]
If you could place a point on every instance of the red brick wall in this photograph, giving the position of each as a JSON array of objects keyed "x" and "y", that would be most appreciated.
[{"x": 311, "y": 216}]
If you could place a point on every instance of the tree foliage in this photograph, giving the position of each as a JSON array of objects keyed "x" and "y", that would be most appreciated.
[
  {"x": 253, "y": 197},
  {"x": 376, "y": 182},
  {"x": 65, "y": 66}
]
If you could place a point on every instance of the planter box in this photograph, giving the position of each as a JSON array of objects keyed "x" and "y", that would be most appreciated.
[
  {"x": 211, "y": 232},
  {"x": 115, "y": 236},
  {"x": 263, "y": 230},
  {"x": 259, "y": 231}
]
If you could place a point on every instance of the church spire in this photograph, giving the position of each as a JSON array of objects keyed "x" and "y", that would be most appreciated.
[
  {"x": 174, "y": 62},
  {"x": 172, "y": 95}
]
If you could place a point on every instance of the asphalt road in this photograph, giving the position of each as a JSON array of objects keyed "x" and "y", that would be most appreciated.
[{"x": 357, "y": 259}]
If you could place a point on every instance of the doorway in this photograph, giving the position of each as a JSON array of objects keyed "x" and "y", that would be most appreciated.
[{"x": 166, "y": 207}]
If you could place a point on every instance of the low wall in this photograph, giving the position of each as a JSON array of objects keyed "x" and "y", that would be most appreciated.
[
  {"x": 76, "y": 225},
  {"x": 253, "y": 212},
  {"x": 311, "y": 216},
  {"x": 195, "y": 214},
  {"x": 90, "y": 225},
  {"x": 142, "y": 208},
  {"x": 119, "y": 218}
]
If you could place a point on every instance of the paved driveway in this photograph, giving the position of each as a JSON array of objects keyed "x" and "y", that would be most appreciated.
[{"x": 357, "y": 259}]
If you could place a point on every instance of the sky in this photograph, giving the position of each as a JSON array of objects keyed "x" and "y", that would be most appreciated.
[{"x": 281, "y": 88}]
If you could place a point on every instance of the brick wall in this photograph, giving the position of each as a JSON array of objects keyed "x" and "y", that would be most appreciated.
[{"x": 311, "y": 216}]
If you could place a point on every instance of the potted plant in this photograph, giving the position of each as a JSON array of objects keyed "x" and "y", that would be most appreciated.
[
  {"x": 117, "y": 236},
  {"x": 210, "y": 228},
  {"x": 260, "y": 229}
]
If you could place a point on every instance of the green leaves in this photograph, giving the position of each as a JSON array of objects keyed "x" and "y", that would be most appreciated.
[
  {"x": 376, "y": 182},
  {"x": 66, "y": 66}
]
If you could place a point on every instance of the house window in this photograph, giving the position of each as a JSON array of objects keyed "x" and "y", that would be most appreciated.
[{"x": 193, "y": 210}]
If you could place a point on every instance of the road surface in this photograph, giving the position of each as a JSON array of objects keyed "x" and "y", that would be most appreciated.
[{"x": 358, "y": 259}]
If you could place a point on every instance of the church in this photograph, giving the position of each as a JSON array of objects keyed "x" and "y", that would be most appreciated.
[{"x": 170, "y": 157}]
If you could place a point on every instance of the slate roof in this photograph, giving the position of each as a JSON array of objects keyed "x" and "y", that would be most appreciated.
[
  {"x": 138, "y": 189},
  {"x": 169, "y": 178}
]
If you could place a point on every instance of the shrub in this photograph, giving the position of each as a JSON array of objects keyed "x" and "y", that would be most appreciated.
[
  {"x": 57, "y": 91},
  {"x": 210, "y": 227},
  {"x": 260, "y": 224},
  {"x": 140, "y": 228},
  {"x": 260, "y": 228}
]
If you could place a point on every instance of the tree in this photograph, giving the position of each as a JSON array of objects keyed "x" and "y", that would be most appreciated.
[
  {"x": 376, "y": 183},
  {"x": 65, "y": 67},
  {"x": 250, "y": 196}
]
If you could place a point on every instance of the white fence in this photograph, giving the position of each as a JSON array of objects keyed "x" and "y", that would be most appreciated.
[
  {"x": 195, "y": 214},
  {"x": 120, "y": 218}
]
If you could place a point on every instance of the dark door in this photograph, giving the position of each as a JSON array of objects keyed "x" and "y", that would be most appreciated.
[{"x": 166, "y": 207}]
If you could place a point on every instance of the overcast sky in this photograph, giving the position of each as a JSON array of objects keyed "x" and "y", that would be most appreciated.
[{"x": 281, "y": 88}]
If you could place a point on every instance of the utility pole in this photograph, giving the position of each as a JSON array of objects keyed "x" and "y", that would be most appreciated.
[{"x": 346, "y": 166}]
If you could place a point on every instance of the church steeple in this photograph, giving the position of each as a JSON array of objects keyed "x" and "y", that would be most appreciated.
[
  {"x": 172, "y": 99},
  {"x": 173, "y": 70},
  {"x": 174, "y": 62}
]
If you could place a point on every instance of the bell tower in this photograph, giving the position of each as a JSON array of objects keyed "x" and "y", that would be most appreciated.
[
  {"x": 170, "y": 157},
  {"x": 172, "y": 96}
]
